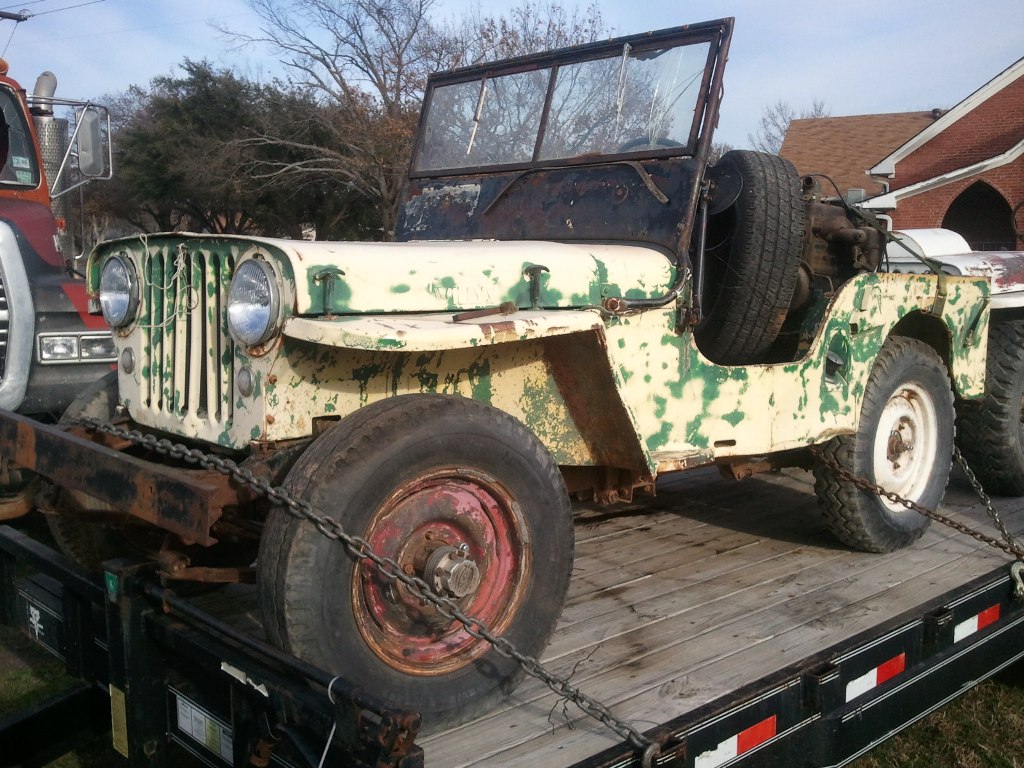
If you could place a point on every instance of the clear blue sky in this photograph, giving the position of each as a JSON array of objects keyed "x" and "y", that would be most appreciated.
[{"x": 859, "y": 58}]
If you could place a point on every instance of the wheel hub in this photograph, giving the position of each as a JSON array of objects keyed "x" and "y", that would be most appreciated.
[
  {"x": 451, "y": 572},
  {"x": 901, "y": 441}
]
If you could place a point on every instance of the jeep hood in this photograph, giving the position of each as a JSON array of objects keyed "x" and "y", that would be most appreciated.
[
  {"x": 430, "y": 294},
  {"x": 425, "y": 277},
  {"x": 446, "y": 295}
]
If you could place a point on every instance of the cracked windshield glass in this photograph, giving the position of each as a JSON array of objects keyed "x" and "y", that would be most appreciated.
[{"x": 633, "y": 102}]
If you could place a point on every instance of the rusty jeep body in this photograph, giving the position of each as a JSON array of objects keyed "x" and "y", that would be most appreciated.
[{"x": 578, "y": 302}]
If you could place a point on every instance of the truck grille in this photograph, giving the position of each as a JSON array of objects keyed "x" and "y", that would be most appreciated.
[{"x": 186, "y": 351}]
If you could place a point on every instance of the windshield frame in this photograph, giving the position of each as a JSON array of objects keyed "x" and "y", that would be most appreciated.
[
  {"x": 26, "y": 134},
  {"x": 714, "y": 34}
]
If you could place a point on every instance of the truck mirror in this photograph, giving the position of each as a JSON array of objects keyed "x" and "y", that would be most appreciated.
[{"x": 90, "y": 143}]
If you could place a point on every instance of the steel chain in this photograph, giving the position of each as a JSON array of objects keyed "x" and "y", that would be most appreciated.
[
  {"x": 1009, "y": 544},
  {"x": 1016, "y": 549},
  {"x": 389, "y": 569}
]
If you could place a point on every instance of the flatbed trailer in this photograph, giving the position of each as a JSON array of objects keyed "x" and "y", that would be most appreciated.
[{"x": 720, "y": 619}]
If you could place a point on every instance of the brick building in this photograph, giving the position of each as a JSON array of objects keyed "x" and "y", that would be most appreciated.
[{"x": 962, "y": 169}]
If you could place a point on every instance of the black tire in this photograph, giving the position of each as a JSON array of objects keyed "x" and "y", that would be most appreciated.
[
  {"x": 991, "y": 429},
  {"x": 646, "y": 143},
  {"x": 394, "y": 473},
  {"x": 752, "y": 260},
  {"x": 904, "y": 442}
]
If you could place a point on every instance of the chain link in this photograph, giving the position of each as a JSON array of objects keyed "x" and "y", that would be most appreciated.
[
  {"x": 1015, "y": 546},
  {"x": 390, "y": 569},
  {"x": 1008, "y": 544}
]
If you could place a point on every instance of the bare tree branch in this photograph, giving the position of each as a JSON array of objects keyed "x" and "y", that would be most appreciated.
[{"x": 775, "y": 120}]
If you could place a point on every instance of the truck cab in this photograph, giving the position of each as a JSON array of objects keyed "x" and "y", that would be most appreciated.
[{"x": 50, "y": 347}]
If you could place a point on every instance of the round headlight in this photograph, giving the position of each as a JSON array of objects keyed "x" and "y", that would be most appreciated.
[
  {"x": 119, "y": 292},
  {"x": 253, "y": 303}
]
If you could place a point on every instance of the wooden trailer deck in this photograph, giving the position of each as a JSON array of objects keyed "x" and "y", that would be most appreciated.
[{"x": 714, "y": 584}]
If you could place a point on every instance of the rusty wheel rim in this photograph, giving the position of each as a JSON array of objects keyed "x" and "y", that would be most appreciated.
[{"x": 428, "y": 521}]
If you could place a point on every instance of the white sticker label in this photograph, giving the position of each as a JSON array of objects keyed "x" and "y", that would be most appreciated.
[{"x": 199, "y": 725}]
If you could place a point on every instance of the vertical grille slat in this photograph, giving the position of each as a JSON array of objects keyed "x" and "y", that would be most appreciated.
[
  {"x": 168, "y": 298},
  {"x": 185, "y": 343},
  {"x": 5, "y": 321},
  {"x": 196, "y": 321},
  {"x": 225, "y": 345}
]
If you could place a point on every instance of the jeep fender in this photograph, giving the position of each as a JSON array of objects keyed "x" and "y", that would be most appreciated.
[{"x": 582, "y": 397}]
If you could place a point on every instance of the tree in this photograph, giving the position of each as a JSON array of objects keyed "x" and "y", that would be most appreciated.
[
  {"x": 717, "y": 150},
  {"x": 524, "y": 29},
  {"x": 178, "y": 156},
  {"x": 365, "y": 64},
  {"x": 775, "y": 120}
]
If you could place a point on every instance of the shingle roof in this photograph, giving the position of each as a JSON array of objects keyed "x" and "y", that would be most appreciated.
[
  {"x": 887, "y": 165},
  {"x": 845, "y": 147}
]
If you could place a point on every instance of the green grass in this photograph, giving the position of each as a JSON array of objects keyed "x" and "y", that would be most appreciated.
[
  {"x": 28, "y": 676},
  {"x": 984, "y": 728}
]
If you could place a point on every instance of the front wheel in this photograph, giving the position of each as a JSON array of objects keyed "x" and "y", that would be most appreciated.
[
  {"x": 456, "y": 493},
  {"x": 903, "y": 443}
]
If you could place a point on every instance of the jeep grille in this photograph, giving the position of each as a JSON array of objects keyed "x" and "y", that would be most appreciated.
[{"x": 186, "y": 350}]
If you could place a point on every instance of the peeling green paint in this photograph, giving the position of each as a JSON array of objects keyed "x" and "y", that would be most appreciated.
[{"x": 676, "y": 402}]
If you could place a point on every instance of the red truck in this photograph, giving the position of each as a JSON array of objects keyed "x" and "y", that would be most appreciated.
[{"x": 50, "y": 347}]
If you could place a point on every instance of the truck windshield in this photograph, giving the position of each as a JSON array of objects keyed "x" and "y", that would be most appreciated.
[
  {"x": 20, "y": 168},
  {"x": 632, "y": 101}
]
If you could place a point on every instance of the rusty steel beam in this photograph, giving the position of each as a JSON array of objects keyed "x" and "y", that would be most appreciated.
[{"x": 184, "y": 502}]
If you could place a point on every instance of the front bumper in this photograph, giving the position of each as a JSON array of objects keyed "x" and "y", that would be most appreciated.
[{"x": 186, "y": 502}]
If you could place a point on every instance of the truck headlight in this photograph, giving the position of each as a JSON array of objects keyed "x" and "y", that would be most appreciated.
[
  {"x": 253, "y": 303},
  {"x": 119, "y": 292}
]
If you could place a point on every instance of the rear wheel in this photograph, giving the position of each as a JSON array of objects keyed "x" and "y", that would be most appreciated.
[
  {"x": 460, "y": 495},
  {"x": 903, "y": 443},
  {"x": 992, "y": 429}
]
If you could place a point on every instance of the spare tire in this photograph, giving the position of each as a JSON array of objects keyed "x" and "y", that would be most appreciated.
[{"x": 753, "y": 254}]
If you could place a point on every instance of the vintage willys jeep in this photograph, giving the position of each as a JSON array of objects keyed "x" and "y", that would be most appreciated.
[{"x": 577, "y": 304}]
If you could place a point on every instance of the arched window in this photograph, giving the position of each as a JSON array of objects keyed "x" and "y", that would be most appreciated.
[{"x": 983, "y": 217}]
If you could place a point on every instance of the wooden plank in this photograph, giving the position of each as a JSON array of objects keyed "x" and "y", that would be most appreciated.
[
  {"x": 674, "y": 634},
  {"x": 649, "y": 658}
]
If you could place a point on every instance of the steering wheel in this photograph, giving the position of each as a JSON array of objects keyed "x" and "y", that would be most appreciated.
[{"x": 646, "y": 143}]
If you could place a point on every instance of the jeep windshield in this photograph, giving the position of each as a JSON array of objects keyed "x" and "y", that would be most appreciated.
[{"x": 638, "y": 95}]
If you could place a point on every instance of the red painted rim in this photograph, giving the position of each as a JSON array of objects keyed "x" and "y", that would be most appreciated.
[{"x": 443, "y": 508}]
